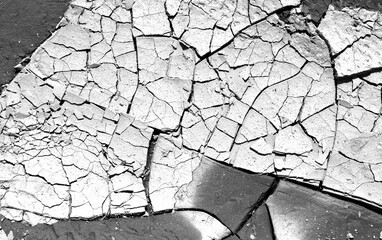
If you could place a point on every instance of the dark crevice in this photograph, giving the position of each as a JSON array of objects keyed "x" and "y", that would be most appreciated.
[
  {"x": 271, "y": 223},
  {"x": 336, "y": 82},
  {"x": 19, "y": 67},
  {"x": 349, "y": 158},
  {"x": 350, "y": 45},
  {"x": 230, "y": 165},
  {"x": 351, "y": 199},
  {"x": 169, "y": 18},
  {"x": 233, "y": 234},
  {"x": 331, "y": 54},
  {"x": 336, "y": 194},
  {"x": 263, "y": 198},
  {"x": 100, "y": 217},
  {"x": 370, "y": 83},
  {"x": 153, "y": 35},
  {"x": 304, "y": 183},
  {"x": 278, "y": 11},
  {"x": 316, "y": 113},
  {"x": 136, "y": 57},
  {"x": 312, "y": 137},
  {"x": 321, "y": 184},
  {"x": 54, "y": 232},
  {"x": 362, "y": 74},
  {"x": 146, "y": 172},
  {"x": 285, "y": 14}
]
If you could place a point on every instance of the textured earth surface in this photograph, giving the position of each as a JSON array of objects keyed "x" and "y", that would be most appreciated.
[{"x": 196, "y": 119}]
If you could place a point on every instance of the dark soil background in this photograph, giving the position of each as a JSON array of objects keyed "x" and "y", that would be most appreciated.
[
  {"x": 317, "y": 8},
  {"x": 24, "y": 25}
]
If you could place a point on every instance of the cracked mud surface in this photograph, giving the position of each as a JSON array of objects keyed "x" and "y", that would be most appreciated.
[{"x": 188, "y": 119}]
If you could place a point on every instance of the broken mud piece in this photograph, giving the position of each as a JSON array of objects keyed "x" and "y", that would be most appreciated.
[
  {"x": 87, "y": 160},
  {"x": 353, "y": 168},
  {"x": 357, "y": 40}
]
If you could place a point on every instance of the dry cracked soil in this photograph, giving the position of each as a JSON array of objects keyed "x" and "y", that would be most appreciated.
[{"x": 191, "y": 119}]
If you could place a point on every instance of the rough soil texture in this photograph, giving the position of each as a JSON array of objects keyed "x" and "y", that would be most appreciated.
[{"x": 182, "y": 119}]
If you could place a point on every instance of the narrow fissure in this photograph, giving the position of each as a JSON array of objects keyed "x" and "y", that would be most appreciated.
[
  {"x": 271, "y": 223},
  {"x": 146, "y": 172},
  {"x": 334, "y": 193},
  {"x": 263, "y": 198},
  {"x": 358, "y": 75},
  {"x": 347, "y": 198}
]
